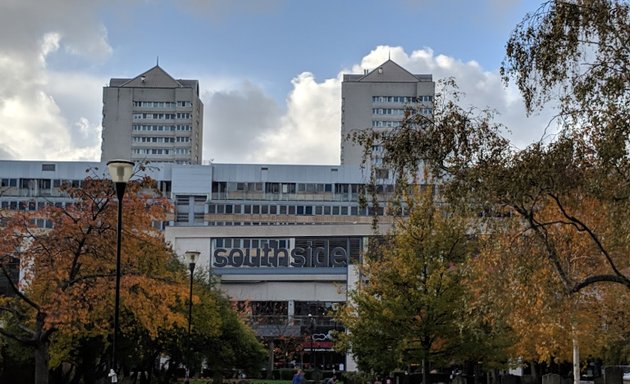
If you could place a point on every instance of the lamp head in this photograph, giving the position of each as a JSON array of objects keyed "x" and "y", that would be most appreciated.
[
  {"x": 120, "y": 170},
  {"x": 191, "y": 256}
]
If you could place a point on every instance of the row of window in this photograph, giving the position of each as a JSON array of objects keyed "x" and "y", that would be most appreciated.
[
  {"x": 145, "y": 139},
  {"x": 250, "y": 243},
  {"x": 401, "y": 99},
  {"x": 37, "y": 183},
  {"x": 388, "y": 111},
  {"x": 385, "y": 124},
  {"x": 161, "y": 151},
  {"x": 399, "y": 111},
  {"x": 162, "y": 116},
  {"x": 320, "y": 310},
  {"x": 273, "y": 187},
  {"x": 161, "y": 128},
  {"x": 162, "y": 104},
  {"x": 274, "y": 209},
  {"x": 201, "y": 221}
]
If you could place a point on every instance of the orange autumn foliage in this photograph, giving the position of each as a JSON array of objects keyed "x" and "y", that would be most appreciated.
[
  {"x": 514, "y": 276},
  {"x": 69, "y": 270}
]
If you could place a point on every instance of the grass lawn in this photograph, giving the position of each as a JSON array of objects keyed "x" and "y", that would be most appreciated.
[{"x": 252, "y": 381}]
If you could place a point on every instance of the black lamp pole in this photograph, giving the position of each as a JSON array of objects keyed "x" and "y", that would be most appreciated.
[
  {"x": 120, "y": 171},
  {"x": 191, "y": 257}
]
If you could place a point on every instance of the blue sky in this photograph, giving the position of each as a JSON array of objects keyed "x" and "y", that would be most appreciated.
[{"x": 269, "y": 70}]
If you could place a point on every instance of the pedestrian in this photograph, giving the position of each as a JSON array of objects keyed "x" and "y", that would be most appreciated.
[{"x": 298, "y": 378}]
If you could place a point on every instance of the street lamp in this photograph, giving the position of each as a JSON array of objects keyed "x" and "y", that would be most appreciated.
[
  {"x": 120, "y": 171},
  {"x": 191, "y": 258}
]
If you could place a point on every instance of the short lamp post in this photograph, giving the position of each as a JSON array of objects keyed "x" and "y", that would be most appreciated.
[
  {"x": 120, "y": 171},
  {"x": 191, "y": 258}
]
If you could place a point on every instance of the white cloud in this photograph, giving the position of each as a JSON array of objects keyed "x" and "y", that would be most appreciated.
[
  {"x": 309, "y": 130},
  {"x": 39, "y": 108},
  {"x": 56, "y": 115},
  {"x": 234, "y": 121}
]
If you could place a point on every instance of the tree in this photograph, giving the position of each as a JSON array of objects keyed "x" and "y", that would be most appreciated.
[
  {"x": 409, "y": 307},
  {"x": 228, "y": 344},
  {"x": 548, "y": 53},
  {"x": 568, "y": 194},
  {"x": 576, "y": 52},
  {"x": 66, "y": 294},
  {"x": 514, "y": 284}
]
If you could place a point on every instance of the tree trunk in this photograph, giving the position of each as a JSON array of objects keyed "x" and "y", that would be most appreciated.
[
  {"x": 270, "y": 359},
  {"x": 425, "y": 370},
  {"x": 41, "y": 363},
  {"x": 576, "y": 359}
]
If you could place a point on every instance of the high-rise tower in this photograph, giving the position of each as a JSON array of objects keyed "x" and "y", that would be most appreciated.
[
  {"x": 377, "y": 100},
  {"x": 152, "y": 117}
]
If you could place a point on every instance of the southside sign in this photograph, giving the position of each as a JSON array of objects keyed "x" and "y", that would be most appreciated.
[{"x": 308, "y": 257}]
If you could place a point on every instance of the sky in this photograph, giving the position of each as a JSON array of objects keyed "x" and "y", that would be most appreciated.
[{"x": 269, "y": 70}]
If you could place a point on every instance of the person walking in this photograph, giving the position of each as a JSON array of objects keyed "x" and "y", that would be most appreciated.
[{"x": 298, "y": 378}]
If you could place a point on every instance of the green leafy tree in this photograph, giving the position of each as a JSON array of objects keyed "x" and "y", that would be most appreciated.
[{"x": 409, "y": 308}]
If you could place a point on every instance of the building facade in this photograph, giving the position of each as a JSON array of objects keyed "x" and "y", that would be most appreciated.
[
  {"x": 378, "y": 100},
  {"x": 284, "y": 242},
  {"x": 152, "y": 117}
]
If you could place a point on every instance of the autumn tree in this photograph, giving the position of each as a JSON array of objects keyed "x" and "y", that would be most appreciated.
[
  {"x": 568, "y": 195},
  {"x": 410, "y": 304},
  {"x": 514, "y": 284},
  {"x": 66, "y": 294}
]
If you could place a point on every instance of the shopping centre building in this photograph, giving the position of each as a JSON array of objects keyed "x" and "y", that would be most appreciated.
[{"x": 282, "y": 241}]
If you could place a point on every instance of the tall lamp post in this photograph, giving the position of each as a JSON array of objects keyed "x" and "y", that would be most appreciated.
[
  {"x": 191, "y": 258},
  {"x": 120, "y": 171}
]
